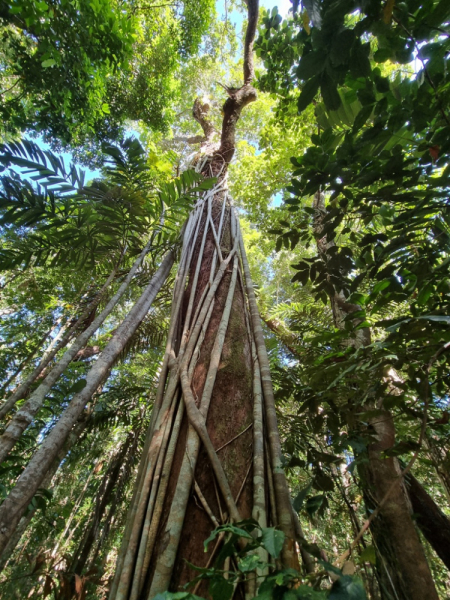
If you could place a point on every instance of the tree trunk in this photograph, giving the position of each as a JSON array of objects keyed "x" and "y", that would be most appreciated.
[
  {"x": 403, "y": 568},
  {"x": 440, "y": 456},
  {"x": 433, "y": 523},
  {"x": 205, "y": 461},
  {"x": 404, "y": 572},
  {"x": 26, "y": 361},
  {"x": 25, "y": 520},
  {"x": 31, "y": 478},
  {"x": 103, "y": 498}
]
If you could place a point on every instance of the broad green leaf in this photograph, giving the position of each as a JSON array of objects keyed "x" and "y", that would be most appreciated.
[
  {"x": 273, "y": 540},
  {"x": 221, "y": 589},
  {"x": 330, "y": 95},
  {"x": 78, "y": 386},
  {"x": 308, "y": 93},
  {"x": 300, "y": 498}
]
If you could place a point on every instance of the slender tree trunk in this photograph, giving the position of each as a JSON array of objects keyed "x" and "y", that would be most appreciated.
[
  {"x": 61, "y": 341},
  {"x": 441, "y": 460},
  {"x": 115, "y": 502},
  {"x": 433, "y": 523},
  {"x": 25, "y": 520},
  {"x": 26, "y": 361},
  {"x": 104, "y": 494},
  {"x": 25, "y": 415},
  {"x": 31, "y": 478},
  {"x": 405, "y": 573}
]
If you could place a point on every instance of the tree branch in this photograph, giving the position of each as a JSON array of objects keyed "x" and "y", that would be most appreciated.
[
  {"x": 238, "y": 98},
  {"x": 200, "y": 113},
  {"x": 252, "y": 11}
]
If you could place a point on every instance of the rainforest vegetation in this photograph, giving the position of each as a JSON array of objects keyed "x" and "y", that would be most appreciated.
[{"x": 225, "y": 300}]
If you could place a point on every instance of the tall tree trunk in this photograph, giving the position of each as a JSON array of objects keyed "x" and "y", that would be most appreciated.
[
  {"x": 27, "y": 360},
  {"x": 405, "y": 573},
  {"x": 119, "y": 489},
  {"x": 32, "y": 476},
  {"x": 205, "y": 461},
  {"x": 103, "y": 498},
  {"x": 440, "y": 455}
]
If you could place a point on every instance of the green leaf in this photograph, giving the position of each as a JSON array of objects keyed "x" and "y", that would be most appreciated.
[
  {"x": 381, "y": 285},
  {"x": 105, "y": 108},
  {"x": 323, "y": 482},
  {"x": 330, "y": 93},
  {"x": 425, "y": 294},
  {"x": 250, "y": 563},
  {"x": 368, "y": 555},
  {"x": 347, "y": 588},
  {"x": 48, "y": 63},
  {"x": 382, "y": 55},
  {"x": 313, "y": 504},
  {"x": 311, "y": 64},
  {"x": 221, "y": 589},
  {"x": 308, "y": 93},
  {"x": 300, "y": 498},
  {"x": 273, "y": 540},
  {"x": 238, "y": 531},
  {"x": 78, "y": 386}
]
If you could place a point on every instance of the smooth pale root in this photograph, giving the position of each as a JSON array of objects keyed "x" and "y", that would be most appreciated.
[
  {"x": 282, "y": 496},
  {"x": 31, "y": 479},
  {"x": 27, "y": 412}
]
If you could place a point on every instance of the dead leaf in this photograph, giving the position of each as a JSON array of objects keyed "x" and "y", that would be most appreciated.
[
  {"x": 98, "y": 467},
  {"x": 78, "y": 585},
  {"x": 434, "y": 152},
  {"x": 39, "y": 562},
  {"x": 305, "y": 20},
  {"x": 349, "y": 568}
]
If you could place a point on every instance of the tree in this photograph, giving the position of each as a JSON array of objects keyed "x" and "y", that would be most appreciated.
[
  {"x": 214, "y": 378},
  {"x": 376, "y": 126},
  {"x": 76, "y": 72},
  {"x": 357, "y": 364}
]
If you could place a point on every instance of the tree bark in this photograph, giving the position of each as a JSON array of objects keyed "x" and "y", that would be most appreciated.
[
  {"x": 26, "y": 520},
  {"x": 433, "y": 523},
  {"x": 205, "y": 460},
  {"x": 58, "y": 343},
  {"x": 104, "y": 494}
]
